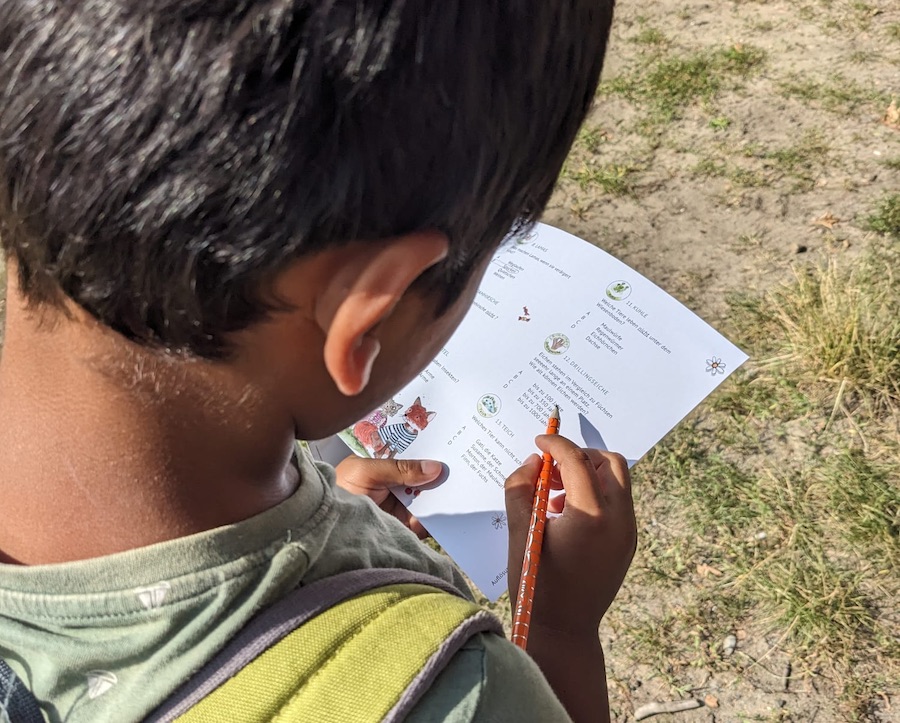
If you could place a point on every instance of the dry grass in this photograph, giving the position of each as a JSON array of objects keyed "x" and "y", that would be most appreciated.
[
  {"x": 840, "y": 326},
  {"x": 788, "y": 486}
]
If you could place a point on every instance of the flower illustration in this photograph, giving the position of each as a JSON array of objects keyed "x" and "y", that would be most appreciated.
[
  {"x": 499, "y": 521},
  {"x": 715, "y": 366}
]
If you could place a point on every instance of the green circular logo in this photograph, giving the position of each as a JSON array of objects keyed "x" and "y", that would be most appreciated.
[{"x": 618, "y": 290}]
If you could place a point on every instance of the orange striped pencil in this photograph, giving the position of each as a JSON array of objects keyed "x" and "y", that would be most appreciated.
[{"x": 532, "y": 560}]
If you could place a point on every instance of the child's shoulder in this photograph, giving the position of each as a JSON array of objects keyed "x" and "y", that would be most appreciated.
[{"x": 359, "y": 535}]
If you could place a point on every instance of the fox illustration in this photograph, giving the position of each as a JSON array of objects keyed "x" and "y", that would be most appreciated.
[{"x": 387, "y": 441}]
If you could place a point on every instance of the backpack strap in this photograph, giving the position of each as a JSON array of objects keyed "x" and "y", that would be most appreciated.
[
  {"x": 360, "y": 646},
  {"x": 17, "y": 704}
]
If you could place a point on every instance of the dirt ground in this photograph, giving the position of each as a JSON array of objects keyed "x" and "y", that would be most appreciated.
[
  {"x": 775, "y": 153},
  {"x": 780, "y": 163},
  {"x": 700, "y": 237}
]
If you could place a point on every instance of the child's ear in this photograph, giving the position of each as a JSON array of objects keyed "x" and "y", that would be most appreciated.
[{"x": 363, "y": 294}]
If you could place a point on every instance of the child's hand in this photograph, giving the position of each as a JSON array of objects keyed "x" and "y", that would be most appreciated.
[
  {"x": 585, "y": 555},
  {"x": 586, "y": 550},
  {"x": 375, "y": 477}
]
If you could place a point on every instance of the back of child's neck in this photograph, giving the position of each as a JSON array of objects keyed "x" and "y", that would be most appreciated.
[{"x": 105, "y": 446}]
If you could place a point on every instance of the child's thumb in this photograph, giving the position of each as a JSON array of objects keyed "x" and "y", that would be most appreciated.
[{"x": 357, "y": 475}]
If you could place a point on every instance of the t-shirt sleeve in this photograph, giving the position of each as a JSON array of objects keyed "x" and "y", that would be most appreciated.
[{"x": 489, "y": 680}]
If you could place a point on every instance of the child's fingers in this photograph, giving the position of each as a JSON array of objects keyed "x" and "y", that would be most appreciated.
[
  {"x": 615, "y": 480},
  {"x": 520, "y": 487},
  {"x": 601, "y": 479},
  {"x": 555, "y": 479},
  {"x": 578, "y": 471},
  {"x": 519, "y": 491},
  {"x": 557, "y": 504},
  {"x": 620, "y": 489}
]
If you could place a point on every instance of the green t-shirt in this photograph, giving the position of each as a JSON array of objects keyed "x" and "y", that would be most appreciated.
[{"x": 108, "y": 639}]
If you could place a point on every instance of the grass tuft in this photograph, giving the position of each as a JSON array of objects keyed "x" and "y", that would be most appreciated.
[
  {"x": 651, "y": 36},
  {"x": 836, "y": 94},
  {"x": 800, "y": 161},
  {"x": 608, "y": 178},
  {"x": 886, "y": 218},
  {"x": 590, "y": 138},
  {"x": 670, "y": 84},
  {"x": 837, "y": 325},
  {"x": 820, "y": 603},
  {"x": 863, "y": 503}
]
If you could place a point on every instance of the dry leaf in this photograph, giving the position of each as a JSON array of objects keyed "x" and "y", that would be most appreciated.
[
  {"x": 711, "y": 701},
  {"x": 892, "y": 116},
  {"x": 829, "y": 221},
  {"x": 707, "y": 570}
]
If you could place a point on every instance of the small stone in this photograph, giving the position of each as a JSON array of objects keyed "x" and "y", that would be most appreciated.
[
  {"x": 729, "y": 645},
  {"x": 711, "y": 701}
]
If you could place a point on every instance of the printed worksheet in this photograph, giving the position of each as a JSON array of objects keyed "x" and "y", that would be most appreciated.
[{"x": 556, "y": 321}]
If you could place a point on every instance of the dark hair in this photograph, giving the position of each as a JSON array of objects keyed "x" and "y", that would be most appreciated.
[{"x": 161, "y": 160}]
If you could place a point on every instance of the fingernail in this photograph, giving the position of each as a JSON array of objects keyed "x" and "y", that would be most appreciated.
[{"x": 430, "y": 468}]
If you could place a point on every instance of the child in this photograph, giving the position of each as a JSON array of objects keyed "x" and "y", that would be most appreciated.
[{"x": 230, "y": 224}]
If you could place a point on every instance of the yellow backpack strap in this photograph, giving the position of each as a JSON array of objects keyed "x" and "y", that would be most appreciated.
[{"x": 360, "y": 647}]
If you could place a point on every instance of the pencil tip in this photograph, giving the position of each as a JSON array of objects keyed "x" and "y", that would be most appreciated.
[{"x": 555, "y": 413}]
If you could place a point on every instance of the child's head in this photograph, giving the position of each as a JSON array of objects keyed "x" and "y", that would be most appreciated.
[{"x": 174, "y": 166}]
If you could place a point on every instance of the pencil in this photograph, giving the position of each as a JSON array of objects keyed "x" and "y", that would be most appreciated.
[{"x": 533, "y": 544}]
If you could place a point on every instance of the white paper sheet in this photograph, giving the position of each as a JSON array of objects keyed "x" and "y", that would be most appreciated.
[{"x": 556, "y": 321}]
